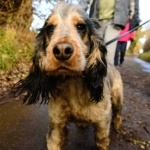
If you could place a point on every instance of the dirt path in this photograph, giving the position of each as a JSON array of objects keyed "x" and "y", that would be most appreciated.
[
  {"x": 24, "y": 127},
  {"x": 136, "y": 110}
]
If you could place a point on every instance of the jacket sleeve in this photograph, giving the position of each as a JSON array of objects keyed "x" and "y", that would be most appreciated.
[
  {"x": 135, "y": 21},
  {"x": 94, "y": 9}
]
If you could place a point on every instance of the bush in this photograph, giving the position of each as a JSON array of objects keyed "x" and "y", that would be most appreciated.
[
  {"x": 14, "y": 48},
  {"x": 146, "y": 46},
  {"x": 145, "y": 56}
]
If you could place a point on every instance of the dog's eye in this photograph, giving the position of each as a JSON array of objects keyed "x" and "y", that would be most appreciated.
[
  {"x": 81, "y": 27},
  {"x": 50, "y": 29}
]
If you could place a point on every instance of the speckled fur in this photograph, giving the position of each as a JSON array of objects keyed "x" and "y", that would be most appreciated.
[{"x": 83, "y": 86}]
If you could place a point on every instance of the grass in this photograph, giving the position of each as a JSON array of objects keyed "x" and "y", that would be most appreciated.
[
  {"x": 14, "y": 47},
  {"x": 145, "y": 56}
]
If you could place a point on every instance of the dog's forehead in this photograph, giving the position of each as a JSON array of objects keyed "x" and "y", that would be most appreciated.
[
  {"x": 67, "y": 12},
  {"x": 74, "y": 19}
]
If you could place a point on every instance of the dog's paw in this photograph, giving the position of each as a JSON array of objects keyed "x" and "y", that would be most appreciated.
[{"x": 117, "y": 122}]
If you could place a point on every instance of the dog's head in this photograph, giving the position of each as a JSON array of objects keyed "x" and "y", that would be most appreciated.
[{"x": 68, "y": 45}]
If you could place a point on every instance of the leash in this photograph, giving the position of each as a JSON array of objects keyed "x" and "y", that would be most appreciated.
[{"x": 122, "y": 35}]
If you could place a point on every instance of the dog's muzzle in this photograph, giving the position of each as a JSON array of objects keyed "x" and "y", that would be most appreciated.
[{"x": 63, "y": 51}]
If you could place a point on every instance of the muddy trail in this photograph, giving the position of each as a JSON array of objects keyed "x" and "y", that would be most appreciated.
[{"x": 24, "y": 127}]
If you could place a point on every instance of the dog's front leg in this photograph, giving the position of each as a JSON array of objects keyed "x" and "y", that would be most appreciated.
[
  {"x": 56, "y": 136},
  {"x": 102, "y": 134},
  {"x": 58, "y": 113}
]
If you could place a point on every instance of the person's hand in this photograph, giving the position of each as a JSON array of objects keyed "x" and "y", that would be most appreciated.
[
  {"x": 132, "y": 40},
  {"x": 117, "y": 27}
]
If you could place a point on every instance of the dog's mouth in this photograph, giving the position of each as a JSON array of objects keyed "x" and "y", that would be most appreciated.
[{"x": 63, "y": 70}]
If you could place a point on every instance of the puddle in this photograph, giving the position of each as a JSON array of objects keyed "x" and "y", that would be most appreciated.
[{"x": 144, "y": 64}]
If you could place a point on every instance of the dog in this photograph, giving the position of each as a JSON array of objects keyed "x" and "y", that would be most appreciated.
[{"x": 70, "y": 73}]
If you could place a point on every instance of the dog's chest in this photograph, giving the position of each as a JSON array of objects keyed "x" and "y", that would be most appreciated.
[
  {"x": 74, "y": 91},
  {"x": 76, "y": 98}
]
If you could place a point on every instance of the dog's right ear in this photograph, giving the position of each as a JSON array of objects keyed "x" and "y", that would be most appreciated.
[
  {"x": 40, "y": 44},
  {"x": 37, "y": 86}
]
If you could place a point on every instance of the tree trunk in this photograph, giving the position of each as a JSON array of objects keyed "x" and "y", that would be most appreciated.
[{"x": 16, "y": 13}]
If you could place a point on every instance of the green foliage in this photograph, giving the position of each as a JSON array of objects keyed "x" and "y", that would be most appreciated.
[
  {"x": 145, "y": 56},
  {"x": 132, "y": 46},
  {"x": 12, "y": 49},
  {"x": 146, "y": 45},
  {"x": 136, "y": 44}
]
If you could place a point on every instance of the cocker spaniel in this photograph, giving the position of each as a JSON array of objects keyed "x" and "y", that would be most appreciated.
[{"x": 71, "y": 74}]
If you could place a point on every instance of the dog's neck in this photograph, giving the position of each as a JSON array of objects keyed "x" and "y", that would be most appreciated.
[{"x": 72, "y": 87}]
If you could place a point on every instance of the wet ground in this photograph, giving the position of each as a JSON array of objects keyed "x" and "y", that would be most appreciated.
[{"x": 24, "y": 127}]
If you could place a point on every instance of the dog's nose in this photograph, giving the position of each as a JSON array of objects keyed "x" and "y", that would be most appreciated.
[{"x": 63, "y": 51}]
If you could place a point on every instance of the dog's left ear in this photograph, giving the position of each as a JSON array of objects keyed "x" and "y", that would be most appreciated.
[{"x": 96, "y": 62}]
